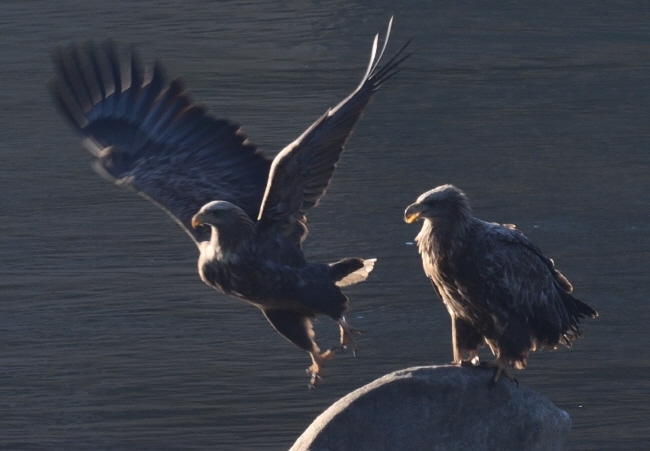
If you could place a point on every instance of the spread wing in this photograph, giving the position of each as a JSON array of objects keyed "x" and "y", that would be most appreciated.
[
  {"x": 148, "y": 136},
  {"x": 302, "y": 171}
]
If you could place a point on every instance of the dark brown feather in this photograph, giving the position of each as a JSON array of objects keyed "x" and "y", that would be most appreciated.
[
  {"x": 302, "y": 171},
  {"x": 149, "y": 136},
  {"x": 494, "y": 280}
]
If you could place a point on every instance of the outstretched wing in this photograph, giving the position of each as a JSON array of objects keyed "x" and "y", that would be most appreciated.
[
  {"x": 148, "y": 136},
  {"x": 302, "y": 171}
]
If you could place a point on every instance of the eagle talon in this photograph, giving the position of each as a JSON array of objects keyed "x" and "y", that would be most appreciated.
[
  {"x": 317, "y": 363},
  {"x": 499, "y": 370},
  {"x": 347, "y": 339},
  {"x": 343, "y": 348},
  {"x": 473, "y": 363},
  {"x": 313, "y": 380}
]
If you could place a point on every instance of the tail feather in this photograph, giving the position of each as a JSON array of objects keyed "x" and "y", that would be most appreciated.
[
  {"x": 577, "y": 311},
  {"x": 351, "y": 270}
]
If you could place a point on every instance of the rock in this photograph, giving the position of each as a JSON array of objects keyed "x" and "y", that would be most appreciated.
[{"x": 438, "y": 408}]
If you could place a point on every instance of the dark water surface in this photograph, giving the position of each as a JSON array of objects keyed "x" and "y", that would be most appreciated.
[{"x": 109, "y": 340}]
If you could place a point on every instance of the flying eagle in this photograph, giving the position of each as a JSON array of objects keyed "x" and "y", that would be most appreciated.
[
  {"x": 244, "y": 211},
  {"x": 497, "y": 285}
]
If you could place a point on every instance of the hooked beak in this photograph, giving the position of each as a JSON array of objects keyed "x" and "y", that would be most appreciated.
[
  {"x": 197, "y": 220},
  {"x": 413, "y": 212}
]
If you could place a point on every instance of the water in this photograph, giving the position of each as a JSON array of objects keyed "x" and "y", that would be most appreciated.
[{"x": 540, "y": 113}]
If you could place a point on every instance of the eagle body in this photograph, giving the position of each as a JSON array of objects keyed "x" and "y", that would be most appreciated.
[
  {"x": 497, "y": 286},
  {"x": 245, "y": 212},
  {"x": 270, "y": 273}
]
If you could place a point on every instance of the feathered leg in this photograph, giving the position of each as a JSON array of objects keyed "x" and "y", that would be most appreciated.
[
  {"x": 297, "y": 328},
  {"x": 510, "y": 348}
]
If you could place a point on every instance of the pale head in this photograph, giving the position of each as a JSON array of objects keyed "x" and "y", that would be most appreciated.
[
  {"x": 445, "y": 201},
  {"x": 220, "y": 213}
]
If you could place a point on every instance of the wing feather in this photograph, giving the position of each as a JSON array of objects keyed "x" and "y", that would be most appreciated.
[
  {"x": 301, "y": 173},
  {"x": 150, "y": 137},
  {"x": 518, "y": 278}
]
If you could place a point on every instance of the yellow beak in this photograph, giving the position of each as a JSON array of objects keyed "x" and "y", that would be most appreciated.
[
  {"x": 412, "y": 213},
  {"x": 197, "y": 220}
]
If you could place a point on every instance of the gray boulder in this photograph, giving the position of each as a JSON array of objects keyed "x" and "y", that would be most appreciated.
[{"x": 438, "y": 408}]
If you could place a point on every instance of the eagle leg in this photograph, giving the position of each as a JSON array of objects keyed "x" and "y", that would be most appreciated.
[
  {"x": 314, "y": 370},
  {"x": 296, "y": 327},
  {"x": 500, "y": 367},
  {"x": 465, "y": 339},
  {"x": 347, "y": 332}
]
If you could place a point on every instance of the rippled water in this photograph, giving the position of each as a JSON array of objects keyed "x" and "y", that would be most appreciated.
[{"x": 109, "y": 340}]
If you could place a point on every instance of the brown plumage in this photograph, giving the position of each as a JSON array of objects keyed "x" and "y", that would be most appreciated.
[
  {"x": 245, "y": 212},
  {"x": 498, "y": 287}
]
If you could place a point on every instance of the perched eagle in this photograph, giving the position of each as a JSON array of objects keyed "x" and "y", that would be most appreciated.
[
  {"x": 498, "y": 287},
  {"x": 245, "y": 212}
]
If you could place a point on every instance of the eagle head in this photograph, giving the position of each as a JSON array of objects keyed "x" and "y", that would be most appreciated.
[
  {"x": 221, "y": 214},
  {"x": 442, "y": 202}
]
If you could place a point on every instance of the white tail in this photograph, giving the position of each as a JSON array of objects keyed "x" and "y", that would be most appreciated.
[{"x": 359, "y": 275}]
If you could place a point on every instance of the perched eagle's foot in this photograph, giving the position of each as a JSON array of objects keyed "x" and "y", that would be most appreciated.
[
  {"x": 469, "y": 363},
  {"x": 315, "y": 369},
  {"x": 347, "y": 340},
  {"x": 499, "y": 370}
]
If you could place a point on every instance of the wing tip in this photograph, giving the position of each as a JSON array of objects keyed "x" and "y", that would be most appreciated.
[
  {"x": 384, "y": 72},
  {"x": 376, "y": 75}
]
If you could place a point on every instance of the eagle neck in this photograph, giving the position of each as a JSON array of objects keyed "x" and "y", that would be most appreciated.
[
  {"x": 442, "y": 237},
  {"x": 229, "y": 242}
]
